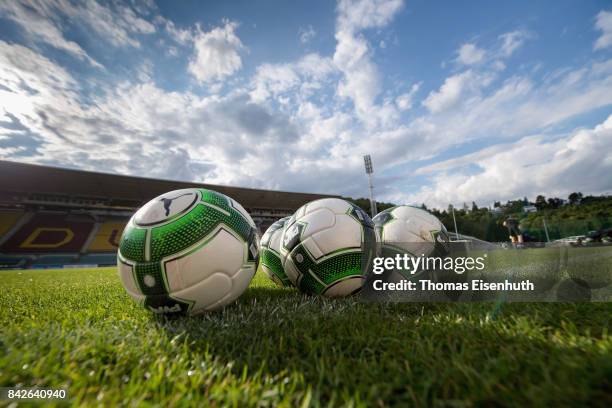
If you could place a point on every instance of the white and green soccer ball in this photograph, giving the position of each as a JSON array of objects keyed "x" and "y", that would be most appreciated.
[
  {"x": 410, "y": 230},
  {"x": 188, "y": 251},
  {"x": 327, "y": 247},
  {"x": 269, "y": 253}
]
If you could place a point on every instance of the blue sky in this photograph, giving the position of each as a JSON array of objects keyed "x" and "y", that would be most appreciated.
[{"x": 455, "y": 101}]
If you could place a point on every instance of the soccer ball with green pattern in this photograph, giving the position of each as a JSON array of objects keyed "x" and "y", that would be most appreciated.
[
  {"x": 269, "y": 253},
  {"x": 188, "y": 251},
  {"x": 404, "y": 229},
  {"x": 327, "y": 247}
]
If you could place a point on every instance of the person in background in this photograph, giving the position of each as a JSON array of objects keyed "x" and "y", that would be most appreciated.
[{"x": 515, "y": 233}]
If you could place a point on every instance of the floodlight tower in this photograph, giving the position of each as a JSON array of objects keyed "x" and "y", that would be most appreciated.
[{"x": 369, "y": 171}]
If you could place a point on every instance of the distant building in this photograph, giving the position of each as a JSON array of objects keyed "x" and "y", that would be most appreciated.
[
  {"x": 530, "y": 208},
  {"x": 53, "y": 217}
]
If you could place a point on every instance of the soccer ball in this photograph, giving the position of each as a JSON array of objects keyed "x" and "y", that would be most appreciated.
[
  {"x": 406, "y": 229},
  {"x": 269, "y": 253},
  {"x": 327, "y": 247},
  {"x": 188, "y": 251}
]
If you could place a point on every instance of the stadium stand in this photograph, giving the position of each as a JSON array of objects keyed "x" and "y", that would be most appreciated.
[
  {"x": 50, "y": 232},
  {"x": 52, "y": 217},
  {"x": 107, "y": 237},
  {"x": 8, "y": 219}
]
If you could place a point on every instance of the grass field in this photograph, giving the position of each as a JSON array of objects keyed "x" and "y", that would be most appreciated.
[{"x": 77, "y": 329}]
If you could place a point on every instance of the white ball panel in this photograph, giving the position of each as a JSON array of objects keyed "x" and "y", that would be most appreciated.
[
  {"x": 290, "y": 270},
  {"x": 223, "y": 254},
  {"x": 337, "y": 205},
  {"x": 411, "y": 224},
  {"x": 127, "y": 278},
  {"x": 346, "y": 233},
  {"x": 207, "y": 292},
  {"x": 417, "y": 215},
  {"x": 301, "y": 211},
  {"x": 317, "y": 220},
  {"x": 311, "y": 246},
  {"x": 275, "y": 240},
  {"x": 240, "y": 282},
  {"x": 401, "y": 231}
]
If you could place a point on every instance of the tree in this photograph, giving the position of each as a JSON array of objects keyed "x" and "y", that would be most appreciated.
[
  {"x": 575, "y": 198},
  {"x": 540, "y": 202},
  {"x": 514, "y": 206},
  {"x": 474, "y": 206},
  {"x": 555, "y": 202}
]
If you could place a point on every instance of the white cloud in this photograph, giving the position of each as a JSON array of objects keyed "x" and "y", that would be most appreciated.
[
  {"x": 39, "y": 22},
  {"x": 180, "y": 35},
  {"x": 301, "y": 77},
  {"x": 603, "y": 23},
  {"x": 307, "y": 34},
  {"x": 44, "y": 21},
  {"x": 273, "y": 79},
  {"x": 470, "y": 54},
  {"x": 530, "y": 166},
  {"x": 512, "y": 41},
  {"x": 114, "y": 23},
  {"x": 142, "y": 129},
  {"x": 405, "y": 100},
  {"x": 128, "y": 128},
  {"x": 116, "y": 26},
  {"x": 361, "y": 79},
  {"x": 508, "y": 44},
  {"x": 144, "y": 72},
  {"x": 516, "y": 106},
  {"x": 449, "y": 93},
  {"x": 356, "y": 15},
  {"x": 216, "y": 53}
]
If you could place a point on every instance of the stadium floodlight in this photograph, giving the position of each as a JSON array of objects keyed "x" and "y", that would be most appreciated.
[
  {"x": 369, "y": 171},
  {"x": 368, "y": 164},
  {"x": 455, "y": 223}
]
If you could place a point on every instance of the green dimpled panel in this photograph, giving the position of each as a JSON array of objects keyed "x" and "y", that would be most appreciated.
[
  {"x": 197, "y": 224},
  {"x": 235, "y": 220},
  {"x": 215, "y": 198},
  {"x": 332, "y": 269},
  {"x": 273, "y": 262},
  {"x": 132, "y": 243},
  {"x": 150, "y": 279},
  {"x": 308, "y": 284}
]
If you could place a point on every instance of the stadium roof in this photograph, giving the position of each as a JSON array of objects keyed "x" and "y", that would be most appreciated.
[{"x": 19, "y": 180}]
